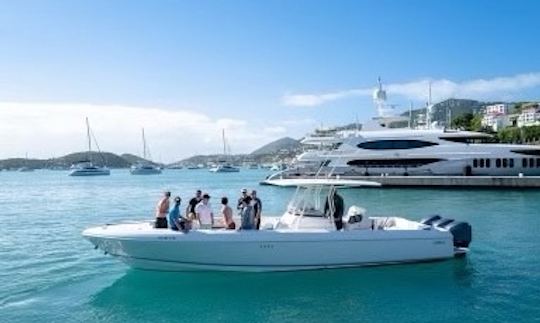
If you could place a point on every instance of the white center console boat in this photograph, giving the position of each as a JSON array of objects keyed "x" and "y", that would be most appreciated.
[{"x": 304, "y": 238}]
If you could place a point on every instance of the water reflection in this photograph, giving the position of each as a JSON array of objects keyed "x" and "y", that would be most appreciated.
[{"x": 310, "y": 295}]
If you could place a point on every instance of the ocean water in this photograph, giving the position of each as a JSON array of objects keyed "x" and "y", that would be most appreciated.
[{"x": 49, "y": 273}]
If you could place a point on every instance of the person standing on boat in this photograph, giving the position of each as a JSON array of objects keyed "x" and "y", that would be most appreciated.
[
  {"x": 227, "y": 214},
  {"x": 204, "y": 213},
  {"x": 176, "y": 220},
  {"x": 240, "y": 203},
  {"x": 247, "y": 214},
  {"x": 190, "y": 209},
  {"x": 335, "y": 207},
  {"x": 162, "y": 210},
  {"x": 257, "y": 208}
]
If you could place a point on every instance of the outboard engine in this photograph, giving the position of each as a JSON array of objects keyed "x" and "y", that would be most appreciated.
[
  {"x": 430, "y": 220},
  {"x": 462, "y": 232}
]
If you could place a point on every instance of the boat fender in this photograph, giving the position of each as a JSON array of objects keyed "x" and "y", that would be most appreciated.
[
  {"x": 431, "y": 219},
  {"x": 462, "y": 233}
]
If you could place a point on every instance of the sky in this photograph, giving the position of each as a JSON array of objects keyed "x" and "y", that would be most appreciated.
[{"x": 261, "y": 70}]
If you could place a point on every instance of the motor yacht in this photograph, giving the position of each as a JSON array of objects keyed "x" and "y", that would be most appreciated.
[
  {"x": 433, "y": 152},
  {"x": 305, "y": 237},
  {"x": 426, "y": 150}
]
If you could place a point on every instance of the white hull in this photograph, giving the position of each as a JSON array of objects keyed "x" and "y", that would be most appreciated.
[
  {"x": 267, "y": 250},
  {"x": 230, "y": 169},
  {"x": 145, "y": 171},
  {"x": 93, "y": 172}
]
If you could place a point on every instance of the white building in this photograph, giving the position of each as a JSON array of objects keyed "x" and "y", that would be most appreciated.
[
  {"x": 496, "y": 122},
  {"x": 497, "y": 109},
  {"x": 529, "y": 116},
  {"x": 496, "y": 116}
]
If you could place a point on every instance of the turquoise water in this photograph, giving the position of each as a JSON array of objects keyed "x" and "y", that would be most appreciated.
[{"x": 49, "y": 273}]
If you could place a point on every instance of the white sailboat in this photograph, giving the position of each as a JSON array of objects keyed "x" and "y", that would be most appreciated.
[
  {"x": 25, "y": 168},
  {"x": 224, "y": 166},
  {"x": 86, "y": 167},
  {"x": 144, "y": 167}
]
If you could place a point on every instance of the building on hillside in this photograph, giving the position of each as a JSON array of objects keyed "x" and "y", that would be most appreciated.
[
  {"x": 529, "y": 116},
  {"x": 496, "y": 116}
]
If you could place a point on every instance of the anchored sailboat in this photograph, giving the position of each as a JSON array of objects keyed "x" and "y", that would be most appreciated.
[
  {"x": 144, "y": 167},
  {"x": 86, "y": 167},
  {"x": 224, "y": 166}
]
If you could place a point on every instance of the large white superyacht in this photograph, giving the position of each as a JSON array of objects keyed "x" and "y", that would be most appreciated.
[{"x": 422, "y": 151}]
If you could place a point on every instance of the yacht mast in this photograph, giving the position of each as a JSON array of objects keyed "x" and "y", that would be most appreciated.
[
  {"x": 144, "y": 144},
  {"x": 88, "y": 135},
  {"x": 224, "y": 144}
]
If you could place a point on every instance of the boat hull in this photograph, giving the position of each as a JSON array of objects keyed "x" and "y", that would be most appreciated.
[
  {"x": 155, "y": 171},
  {"x": 268, "y": 250},
  {"x": 77, "y": 172}
]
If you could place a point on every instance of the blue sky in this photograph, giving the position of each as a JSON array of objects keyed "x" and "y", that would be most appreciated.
[{"x": 237, "y": 64}]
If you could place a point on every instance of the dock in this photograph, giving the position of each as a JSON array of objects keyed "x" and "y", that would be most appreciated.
[{"x": 519, "y": 182}]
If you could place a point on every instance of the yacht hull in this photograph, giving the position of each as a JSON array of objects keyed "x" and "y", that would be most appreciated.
[
  {"x": 141, "y": 246},
  {"x": 78, "y": 172},
  {"x": 154, "y": 171}
]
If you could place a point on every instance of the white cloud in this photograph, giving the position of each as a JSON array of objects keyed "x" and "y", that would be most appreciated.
[
  {"x": 54, "y": 129},
  {"x": 498, "y": 88}
]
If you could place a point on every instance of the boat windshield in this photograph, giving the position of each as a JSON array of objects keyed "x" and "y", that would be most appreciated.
[{"x": 309, "y": 201}]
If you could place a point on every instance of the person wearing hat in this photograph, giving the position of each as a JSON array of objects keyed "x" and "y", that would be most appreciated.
[
  {"x": 247, "y": 214},
  {"x": 204, "y": 213},
  {"x": 162, "y": 209},
  {"x": 240, "y": 203},
  {"x": 176, "y": 220}
]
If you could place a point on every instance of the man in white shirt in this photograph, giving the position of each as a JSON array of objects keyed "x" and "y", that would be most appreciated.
[{"x": 204, "y": 213}]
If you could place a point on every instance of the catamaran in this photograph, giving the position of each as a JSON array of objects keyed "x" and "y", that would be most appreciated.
[
  {"x": 224, "y": 166},
  {"x": 305, "y": 237},
  {"x": 86, "y": 167},
  {"x": 144, "y": 167}
]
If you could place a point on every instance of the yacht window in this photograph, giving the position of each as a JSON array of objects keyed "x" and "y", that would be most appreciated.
[
  {"x": 398, "y": 162},
  {"x": 498, "y": 162},
  {"x": 482, "y": 162},
  {"x": 505, "y": 162},
  {"x": 524, "y": 162},
  {"x": 488, "y": 163},
  {"x": 537, "y": 162},
  {"x": 475, "y": 163},
  {"x": 531, "y": 162},
  {"x": 511, "y": 162},
  {"x": 395, "y": 144}
]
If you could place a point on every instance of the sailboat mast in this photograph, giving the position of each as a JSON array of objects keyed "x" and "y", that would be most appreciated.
[
  {"x": 88, "y": 135},
  {"x": 144, "y": 144},
  {"x": 224, "y": 144}
]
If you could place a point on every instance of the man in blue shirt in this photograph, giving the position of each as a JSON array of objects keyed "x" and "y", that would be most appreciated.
[{"x": 176, "y": 221}]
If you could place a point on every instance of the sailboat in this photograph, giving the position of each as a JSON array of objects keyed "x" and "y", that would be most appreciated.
[
  {"x": 86, "y": 167},
  {"x": 144, "y": 167},
  {"x": 223, "y": 166},
  {"x": 25, "y": 168}
]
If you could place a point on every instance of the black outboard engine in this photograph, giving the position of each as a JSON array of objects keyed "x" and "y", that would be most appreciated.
[
  {"x": 462, "y": 233},
  {"x": 430, "y": 220}
]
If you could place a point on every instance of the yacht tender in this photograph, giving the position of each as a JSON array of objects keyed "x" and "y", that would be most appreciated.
[{"x": 304, "y": 238}]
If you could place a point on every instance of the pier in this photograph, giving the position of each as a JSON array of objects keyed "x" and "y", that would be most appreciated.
[{"x": 520, "y": 182}]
